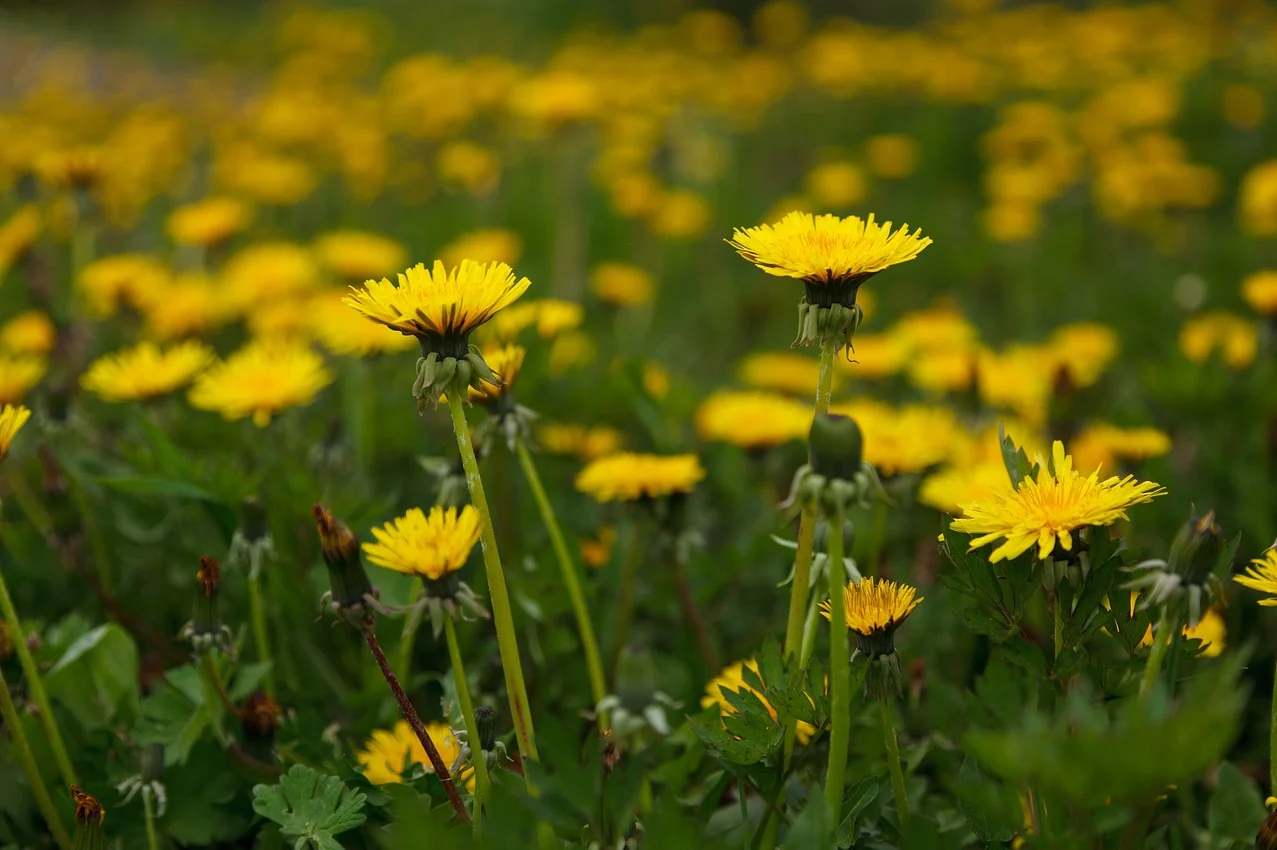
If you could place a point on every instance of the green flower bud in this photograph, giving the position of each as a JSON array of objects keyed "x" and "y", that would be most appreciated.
[
  {"x": 253, "y": 519},
  {"x": 485, "y": 717},
  {"x": 1196, "y": 548},
  {"x": 836, "y": 446}
]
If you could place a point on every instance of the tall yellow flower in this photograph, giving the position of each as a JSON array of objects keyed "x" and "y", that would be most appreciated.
[
  {"x": 1260, "y": 291},
  {"x": 1233, "y": 337},
  {"x": 621, "y": 284},
  {"x": 1048, "y": 510},
  {"x": 428, "y": 545},
  {"x": 876, "y": 607},
  {"x": 389, "y": 754},
  {"x": 260, "y": 380},
  {"x": 506, "y": 362},
  {"x": 588, "y": 443},
  {"x": 12, "y": 418},
  {"x": 626, "y": 476},
  {"x": 1261, "y": 575},
  {"x": 132, "y": 278},
  {"x": 145, "y": 370},
  {"x": 550, "y": 317},
  {"x": 18, "y": 375}
]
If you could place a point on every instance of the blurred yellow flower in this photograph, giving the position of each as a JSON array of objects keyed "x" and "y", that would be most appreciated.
[
  {"x": 358, "y": 255},
  {"x": 783, "y": 371},
  {"x": 17, "y": 234},
  {"x": 145, "y": 370},
  {"x": 731, "y": 679},
  {"x": 570, "y": 350},
  {"x": 1260, "y": 291},
  {"x": 465, "y": 165},
  {"x": 483, "y": 246},
  {"x": 873, "y": 356},
  {"x": 941, "y": 371},
  {"x": 751, "y": 419},
  {"x": 553, "y": 98},
  {"x": 837, "y": 184},
  {"x": 1020, "y": 378},
  {"x": 626, "y": 476},
  {"x": 29, "y": 332},
  {"x": 1100, "y": 445},
  {"x": 428, "y": 545},
  {"x": 505, "y": 361},
  {"x": 680, "y": 214},
  {"x": 285, "y": 317},
  {"x": 596, "y": 552},
  {"x": 634, "y": 195},
  {"x": 388, "y": 755},
  {"x": 18, "y": 374},
  {"x": 71, "y": 168},
  {"x": 656, "y": 380},
  {"x": 267, "y": 178},
  {"x": 1258, "y": 199},
  {"x": 265, "y": 271},
  {"x": 1084, "y": 349},
  {"x": 130, "y": 278},
  {"x": 780, "y": 24},
  {"x": 954, "y": 486},
  {"x": 906, "y": 440},
  {"x": 1210, "y": 630},
  {"x": 191, "y": 304},
  {"x": 1233, "y": 337},
  {"x": 260, "y": 380},
  {"x": 891, "y": 155},
  {"x": 343, "y": 331},
  {"x": 12, "y": 418},
  {"x": 550, "y": 317},
  {"x": 935, "y": 328},
  {"x": 1261, "y": 575},
  {"x": 583, "y": 441},
  {"x": 1012, "y": 220},
  {"x": 208, "y": 222},
  {"x": 621, "y": 284}
]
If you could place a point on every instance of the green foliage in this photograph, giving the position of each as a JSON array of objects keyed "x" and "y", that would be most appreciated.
[{"x": 311, "y": 807}]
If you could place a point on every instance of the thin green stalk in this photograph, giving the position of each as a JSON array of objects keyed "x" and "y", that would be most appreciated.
[
  {"x": 625, "y": 597},
  {"x": 215, "y": 699},
  {"x": 22, "y": 748},
  {"x": 36, "y": 686},
  {"x": 1057, "y": 616},
  {"x": 260, "y": 636},
  {"x": 839, "y": 678},
  {"x": 1272, "y": 739},
  {"x": 589, "y": 644},
  {"x": 152, "y": 840},
  {"x": 31, "y": 506},
  {"x": 893, "y": 762},
  {"x": 502, "y": 616},
  {"x": 878, "y": 535},
  {"x": 409, "y": 636},
  {"x": 1157, "y": 653},
  {"x": 472, "y": 724}
]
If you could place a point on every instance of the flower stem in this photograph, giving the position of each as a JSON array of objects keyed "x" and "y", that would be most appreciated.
[
  {"x": 502, "y": 616},
  {"x": 22, "y": 749},
  {"x": 260, "y": 636},
  {"x": 1272, "y": 739},
  {"x": 893, "y": 762},
  {"x": 625, "y": 597},
  {"x": 472, "y": 725},
  {"x": 839, "y": 678},
  {"x": 152, "y": 840},
  {"x": 409, "y": 636},
  {"x": 1157, "y": 653},
  {"x": 571, "y": 580},
  {"x": 36, "y": 686},
  {"x": 1057, "y": 616},
  {"x": 410, "y": 714}
]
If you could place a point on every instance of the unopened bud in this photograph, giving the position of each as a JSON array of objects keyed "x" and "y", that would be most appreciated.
[
  {"x": 485, "y": 717},
  {"x": 89, "y": 816},
  {"x": 153, "y": 763},
  {"x": 350, "y": 584},
  {"x": 836, "y": 446},
  {"x": 259, "y": 718},
  {"x": 1197, "y": 548},
  {"x": 253, "y": 525}
]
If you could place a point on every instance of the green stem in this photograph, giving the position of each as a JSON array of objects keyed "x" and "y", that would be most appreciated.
[
  {"x": 502, "y": 616},
  {"x": 31, "y": 506},
  {"x": 152, "y": 840},
  {"x": 1057, "y": 617},
  {"x": 809, "y": 630},
  {"x": 215, "y": 698},
  {"x": 825, "y": 380},
  {"x": 571, "y": 580},
  {"x": 625, "y": 597},
  {"x": 873, "y": 552},
  {"x": 260, "y": 636},
  {"x": 409, "y": 636},
  {"x": 893, "y": 762},
  {"x": 1272, "y": 739},
  {"x": 22, "y": 748},
  {"x": 36, "y": 686},
  {"x": 1157, "y": 653},
  {"x": 472, "y": 724},
  {"x": 839, "y": 677}
]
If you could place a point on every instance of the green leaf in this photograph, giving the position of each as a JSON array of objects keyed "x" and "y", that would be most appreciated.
[
  {"x": 992, "y": 808},
  {"x": 175, "y": 715},
  {"x": 97, "y": 676},
  {"x": 1236, "y": 808},
  {"x": 747, "y": 739},
  {"x": 862, "y": 795},
  {"x": 812, "y": 829},
  {"x": 156, "y": 485},
  {"x": 1018, "y": 465},
  {"x": 310, "y": 806},
  {"x": 248, "y": 678}
]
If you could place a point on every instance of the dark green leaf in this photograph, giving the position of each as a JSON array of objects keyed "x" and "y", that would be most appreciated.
[
  {"x": 1236, "y": 807},
  {"x": 310, "y": 806}
]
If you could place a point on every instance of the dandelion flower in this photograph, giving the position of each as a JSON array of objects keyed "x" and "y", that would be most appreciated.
[
  {"x": 752, "y": 420},
  {"x": 483, "y": 246},
  {"x": 680, "y": 214},
  {"x": 190, "y": 305},
  {"x": 837, "y": 184},
  {"x": 428, "y": 545},
  {"x": 585, "y": 442},
  {"x": 260, "y": 380},
  {"x": 12, "y": 418},
  {"x": 891, "y": 155},
  {"x": 358, "y": 255},
  {"x": 596, "y": 552},
  {"x": 389, "y": 754},
  {"x": 73, "y": 168},
  {"x": 18, "y": 375},
  {"x": 505, "y": 362},
  {"x": 1210, "y": 630},
  {"x": 1260, "y": 292},
  {"x": 571, "y": 350},
  {"x": 1261, "y": 575},
  {"x": 1233, "y": 337},
  {"x": 732, "y": 680},
  {"x": 781, "y": 371},
  {"x": 875, "y": 607},
  {"x": 873, "y": 356},
  {"x": 1084, "y": 349},
  {"x": 627, "y": 476},
  {"x": 208, "y": 222},
  {"x": 1047, "y": 511},
  {"x": 145, "y": 371},
  {"x": 1100, "y": 445},
  {"x": 130, "y": 278},
  {"x": 464, "y": 165},
  {"x": 621, "y": 284},
  {"x": 906, "y": 440},
  {"x": 440, "y": 306},
  {"x": 550, "y": 317},
  {"x": 29, "y": 332},
  {"x": 343, "y": 331},
  {"x": 17, "y": 234},
  {"x": 267, "y": 271},
  {"x": 952, "y": 487}
]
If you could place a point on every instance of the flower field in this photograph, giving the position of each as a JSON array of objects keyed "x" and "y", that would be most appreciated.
[{"x": 411, "y": 442}]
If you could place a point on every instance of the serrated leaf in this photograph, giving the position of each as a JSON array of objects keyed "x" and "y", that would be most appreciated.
[
  {"x": 747, "y": 738},
  {"x": 175, "y": 715},
  {"x": 310, "y": 806}
]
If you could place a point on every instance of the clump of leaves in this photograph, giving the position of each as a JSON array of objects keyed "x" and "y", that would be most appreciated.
[{"x": 311, "y": 807}]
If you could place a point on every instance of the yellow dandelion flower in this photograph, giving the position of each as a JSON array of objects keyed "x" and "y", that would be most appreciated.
[
  {"x": 260, "y": 380},
  {"x": 891, "y": 155},
  {"x": 1242, "y": 106},
  {"x": 17, "y": 234},
  {"x": 905, "y": 440},
  {"x": 343, "y": 331},
  {"x": 936, "y": 328},
  {"x": 826, "y": 250},
  {"x": 18, "y": 375},
  {"x": 192, "y": 304},
  {"x": 12, "y": 418},
  {"x": 1048, "y": 510},
  {"x": 876, "y": 607},
  {"x": 621, "y": 284},
  {"x": 627, "y": 476},
  {"x": 596, "y": 552},
  {"x": 571, "y": 350},
  {"x": 465, "y": 165},
  {"x": 289, "y": 317},
  {"x": 732, "y": 680},
  {"x": 585, "y": 442},
  {"x": 943, "y": 370},
  {"x": 1211, "y": 631},
  {"x": 1084, "y": 349},
  {"x": 556, "y": 97},
  {"x": 29, "y": 332},
  {"x": 873, "y": 356},
  {"x": 505, "y": 361},
  {"x": 752, "y": 420},
  {"x": 1261, "y": 575},
  {"x": 550, "y": 317},
  {"x": 1020, "y": 379},
  {"x": 656, "y": 380},
  {"x": 1010, "y": 220},
  {"x": 1232, "y": 336},
  {"x": 1258, "y": 199},
  {"x": 358, "y": 255},
  {"x": 837, "y": 184},
  {"x": 428, "y": 545},
  {"x": 680, "y": 214},
  {"x": 267, "y": 178},
  {"x": 267, "y": 271},
  {"x": 72, "y": 168},
  {"x": 1260, "y": 292},
  {"x": 483, "y": 246},
  {"x": 1099, "y": 445},
  {"x": 952, "y": 487},
  {"x": 130, "y": 278},
  {"x": 440, "y": 306},
  {"x": 145, "y": 371},
  {"x": 208, "y": 222},
  {"x": 781, "y": 371},
  {"x": 389, "y": 754}
]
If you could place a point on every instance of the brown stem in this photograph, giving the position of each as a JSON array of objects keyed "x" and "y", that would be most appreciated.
[
  {"x": 410, "y": 714},
  {"x": 692, "y": 614}
]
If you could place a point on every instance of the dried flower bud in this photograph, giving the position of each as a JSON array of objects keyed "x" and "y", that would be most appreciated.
[
  {"x": 153, "y": 763},
  {"x": 259, "y": 718},
  {"x": 6, "y": 642},
  {"x": 351, "y": 588},
  {"x": 206, "y": 630},
  {"x": 89, "y": 816}
]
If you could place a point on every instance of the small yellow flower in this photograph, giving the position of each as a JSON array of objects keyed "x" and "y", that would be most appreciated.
[
  {"x": 570, "y": 350},
  {"x": 388, "y": 755},
  {"x": 943, "y": 370},
  {"x": 781, "y": 371},
  {"x": 260, "y": 380},
  {"x": 626, "y": 476},
  {"x": 752, "y": 420},
  {"x": 1011, "y": 220},
  {"x": 656, "y": 380},
  {"x": 680, "y": 214},
  {"x": 1260, "y": 292},
  {"x": 1099, "y": 445},
  {"x": 1232, "y": 336},
  {"x": 145, "y": 371},
  {"x": 18, "y": 375},
  {"x": 837, "y": 184},
  {"x": 464, "y": 165},
  {"x": 343, "y": 331},
  {"x": 907, "y": 440},
  {"x": 732, "y": 680},
  {"x": 936, "y": 328},
  {"x": 556, "y": 97},
  {"x": 72, "y": 168},
  {"x": 597, "y": 552},
  {"x": 440, "y": 306},
  {"x": 358, "y": 255},
  {"x": 587, "y": 443},
  {"x": 131, "y": 278},
  {"x": 12, "y": 418},
  {"x": 430, "y": 546},
  {"x": 952, "y": 487},
  {"x": 265, "y": 272},
  {"x": 268, "y": 178},
  {"x": 550, "y": 317},
  {"x": 290, "y": 317},
  {"x": 17, "y": 234},
  {"x": 621, "y": 284},
  {"x": 483, "y": 246},
  {"x": 1258, "y": 199},
  {"x": 876, "y": 607},
  {"x": 1084, "y": 349},
  {"x": 1261, "y": 575},
  {"x": 29, "y": 332},
  {"x": 208, "y": 222},
  {"x": 190, "y": 305},
  {"x": 505, "y": 362},
  {"x": 891, "y": 155},
  {"x": 873, "y": 356},
  {"x": 1210, "y": 630},
  {"x": 1048, "y": 510}
]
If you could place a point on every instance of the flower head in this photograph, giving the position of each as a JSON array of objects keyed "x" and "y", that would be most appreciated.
[
  {"x": 388, "y": 755},
  {"x": 621, "y": 284},
  {"x": 1261, "y": 575},
  {"x": 483, "y": 246},
  {"x": 505, "y": 361},
  {"x": 267, "y": 271},
  {"x": 586, "y": 442},
  {"x": 191, "y": 304},
  {"x": 550, "y": 316},
  {"x": 29, "y": 332},
  {"x": 431, "y": 546},
  {"x": 260, "y": 380},
  {"x": 343, "y": 331},
  {"x": 1049, "y": 509},
  {"x": 17, "y": 234},
  {"x": 133, "y": 278},
  {"x": 208, "y": 222},
  {"x": 439, "y": 306},
  {"x": 356, "y": 255},
  {"x": 1100, "y": 444},
  {"x": 1260, "y": 292},
  {"x": 752, "y": 420},
  {"x": 145, "y": 370},
  {"x": 627, "y": 476},
  {"x": 1232, "y": 336},
  {"x": 782, "y": 371},
  {"x": 12, "y": 418},
  {"x": 18, "y": 375},
  {"x": 876, "y": 607}
]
